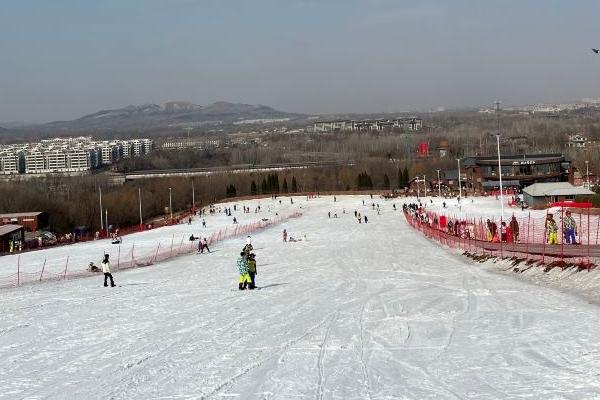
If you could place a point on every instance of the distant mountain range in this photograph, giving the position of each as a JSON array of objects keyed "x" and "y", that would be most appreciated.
[{"x": 170, "y": 115}]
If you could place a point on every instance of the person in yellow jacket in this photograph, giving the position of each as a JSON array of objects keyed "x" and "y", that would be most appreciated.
[
  {"x": 551, "y": 230},
  {"x": 242, "y": 264}
]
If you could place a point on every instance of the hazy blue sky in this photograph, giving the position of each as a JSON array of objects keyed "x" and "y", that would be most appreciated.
[{"x": 61, "y": 59}]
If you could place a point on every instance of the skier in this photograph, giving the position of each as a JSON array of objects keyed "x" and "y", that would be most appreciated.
[
  {"x": 570, "y": 227},
  {"x": 248, "y": 247},
  {"x": 366, "y": 219},
  {"x": 551, "y": 230},
  {"x": 329, "y": 214},
  {"x": 203, "y": 223},
  {"x": 242, "y": 264},
  {"x": 106, "y": 271},
  {"x": 204, "y": 245},
  {"x": 284, "y": 235},
  {"x": 252, "y": 270}
]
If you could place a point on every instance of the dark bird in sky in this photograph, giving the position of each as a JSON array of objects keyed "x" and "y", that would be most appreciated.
[{"x": 596, "y": 51}]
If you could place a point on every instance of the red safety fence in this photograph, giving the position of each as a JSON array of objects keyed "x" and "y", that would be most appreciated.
[
  {"x": 125, "y": 258},
  {"x": 574, "y": 241}
]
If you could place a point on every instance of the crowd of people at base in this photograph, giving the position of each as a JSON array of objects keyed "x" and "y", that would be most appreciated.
[{"x": 505, "y": 232}]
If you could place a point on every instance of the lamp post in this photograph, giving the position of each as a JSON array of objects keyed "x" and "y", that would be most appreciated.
[
  {"x": 193, "y": 198},
  {"x": 101, "y": 221},
  {"x": 425, "y": 185},
  {"x": 499, "y": 164},
  {"x": 140, "y": 201},
  {"x": 418, "y": 191},
  {"x": 439, "y": 185},
  {"x": 106, "y": 220},
  {"x": 459, "y": 184},
  {"x": 170, "y": 205},
  {"x": 587, "y": 173},
  {"x": 500, "y": 175}
]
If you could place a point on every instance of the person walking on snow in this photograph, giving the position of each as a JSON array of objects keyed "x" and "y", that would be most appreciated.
[
  {"x": 252, "y": 270},
  {"x": 242, "y": 265},
  {"x": 106, "y": 271},
  {"x": 551, "y": 230},
  {"x": 204, "y": 245},
  {"x": 570, "y": 227},
  {"x": 248, "y": 247}
]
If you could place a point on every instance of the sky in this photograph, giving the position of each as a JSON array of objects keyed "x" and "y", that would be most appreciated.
[{"x": 62, "y": 59}]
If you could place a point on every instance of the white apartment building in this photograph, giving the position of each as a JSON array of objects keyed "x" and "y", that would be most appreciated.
[
  {"x": 35, "y": 162},
  {"x": 67, "y": 154},
  {"x": 9, "y": 163}
]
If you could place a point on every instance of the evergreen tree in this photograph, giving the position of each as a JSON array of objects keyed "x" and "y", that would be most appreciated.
[
  {"x": 253, "y": 188},
  {"x": 276, "y": 183},
  {"x": 386, "y": 181},
  {"x": 263, "y": 187},
  {"x": 294, "y": 185},
  {"x": 406, "y": 177},
  {"x": 284, "y": 188},
  {"x": 400, "y": 178}
]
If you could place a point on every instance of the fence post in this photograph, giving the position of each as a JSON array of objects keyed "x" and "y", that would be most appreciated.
[
  {"x": 544, "y": 244},
  {"x": 181, "y": 244},
  {"x": 43, "y": 266},
  {"x": 156, "y": 254},
  {"x": 119, "y": 256},
  {"x": 19, "y": 270},
  {"x": 588, "y": 238},
  {"x": 501, "y": 245},
  {"x": 172, "y": 239},
  {"x": 66, "y": 264},
  {"x": 562, "y": 239},
  {"x": 597, "y": 227},
  {"x": 527, "y": 243}
]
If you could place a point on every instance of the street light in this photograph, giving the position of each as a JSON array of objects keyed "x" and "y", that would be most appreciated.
[
  {"x": 500, "y": 174},
  {"x": 170, "y": 205},
  {"x": 459, "y": 185},
  {"x": 140, "y": 201},
  {"x": 587, "y": 173},
  {"x": 499, "y": 164},
  {"x": 425, "y": 185},
  {"x": 439, "y": 185}
]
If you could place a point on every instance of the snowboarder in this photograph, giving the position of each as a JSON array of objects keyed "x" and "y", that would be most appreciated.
[
  {"x": 252, "y": 270},
  {"x": 106, "y": 271},
  {"x": 242, "y": 264}
]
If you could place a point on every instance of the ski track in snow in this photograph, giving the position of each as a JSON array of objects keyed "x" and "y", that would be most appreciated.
[{"x": 358, "y": 311}]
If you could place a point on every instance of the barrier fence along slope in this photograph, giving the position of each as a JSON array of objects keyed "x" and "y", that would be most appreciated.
[
  {"x": 123, "y": 259},
  {"x": 531, "y": 244}
]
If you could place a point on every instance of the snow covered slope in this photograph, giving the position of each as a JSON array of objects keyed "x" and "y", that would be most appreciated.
[{"x": 358, "y": 311}]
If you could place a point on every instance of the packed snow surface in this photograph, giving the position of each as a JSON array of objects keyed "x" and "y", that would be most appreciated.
[{"x": 356, "y": 311}]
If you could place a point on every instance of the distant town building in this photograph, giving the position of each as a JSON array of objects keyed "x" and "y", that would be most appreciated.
[
  {"x": 443, "y": 148},
  {"x": 517, "y": 170},
  {"x": 65, "y": 155},
  {"x": 407, "y": 124},
  {"x": 30, "y": 221},
  {"x": 577, "y": 141}
]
